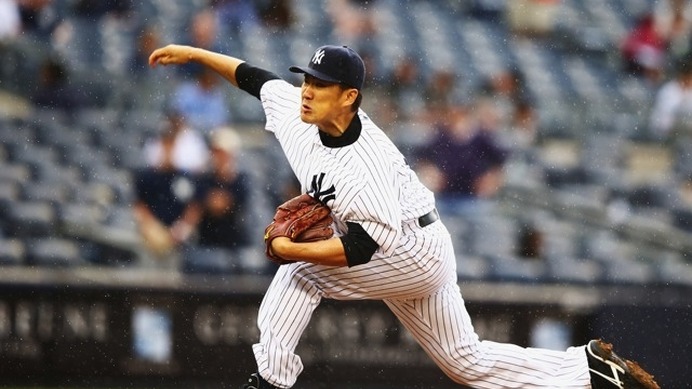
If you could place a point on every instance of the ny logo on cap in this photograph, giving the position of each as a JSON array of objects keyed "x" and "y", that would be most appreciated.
[{"x": 317, "y": 58}]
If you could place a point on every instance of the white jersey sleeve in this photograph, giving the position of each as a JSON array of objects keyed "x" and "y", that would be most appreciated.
[{"x": 279, "y": 98}]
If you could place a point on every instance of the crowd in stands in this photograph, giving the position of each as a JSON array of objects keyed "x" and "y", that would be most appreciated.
[
  {"x": 468, "y": 131},
  {"x": 191, "y": 193}
]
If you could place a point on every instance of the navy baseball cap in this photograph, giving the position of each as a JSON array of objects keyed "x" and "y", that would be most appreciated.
[{"x": 338, "y": 64}]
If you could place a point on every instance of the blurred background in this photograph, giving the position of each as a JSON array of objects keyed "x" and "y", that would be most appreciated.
[{"x": 556, "y": 134}]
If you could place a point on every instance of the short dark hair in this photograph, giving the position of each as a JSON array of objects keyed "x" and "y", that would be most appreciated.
[{"x": 359, "y": 98}]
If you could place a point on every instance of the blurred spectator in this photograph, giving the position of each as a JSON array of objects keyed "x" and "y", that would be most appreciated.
[
  {"x": 508, "y": 83},
  {"x": 144, "y": 88},
  {"x": 352, "y": 21},
  {"x": 440, "y": 88},
  {"x": 517, "y": 114},
  {"x": 685, "y": 190},
  {"x": 375, "y": 74},
  {"x": 54, "y": 89},
  {"x": 10, "y": 20},
  {"x": 507, "y": 87},
  {"x": 146, "y": 41},
  {"x": 203, "y": 32},
  {"x": 98, "y": 9},
  {"x": 644, "y": 50},
  {"x": 276, "y": 14},
  {"x": 223, "y": 195},
  {"x": 202, "y": 101},
  {"x": 379, "y": 104},
  {"x": 673, "y": 20},
  {"x": 179, "y": 146},
  {"x": 530, "y": 242},
  {"x": 235, "y": 16},
  {"x": 485, "y": 10},
  {"x": 404, "y": 87},
  {"x": 521, "y": 131},
  {"x": 162, "y": 196},
  {"x": 175, "y": 208},
  {"x": 671, "y": 114},
  {"x": 204, "y": 29},
  {"x": 38, "y": 16},
  {"x": 532, "y": 17},
  {"x": 163, "y": 193},
  {"x": 464, "y": 162}
]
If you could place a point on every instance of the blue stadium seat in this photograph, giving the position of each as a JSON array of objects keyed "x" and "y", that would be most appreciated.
[
  {"x": 26, "y": 219},
  {"x": 53, "y": 252},
  {"x": 682, "y": 218},
  {"x": 16, "y": 138},
  {"x": 12, "y": 252},
  {"x": 93, "y": 193},
  {"x": 83, "y": 157},
  {"x": 605, "y": 246},
  {"x": 80, "y": 215},
  {"x": 52, "y": 192},
  {"x": 208, "y": 260},
  {"x": 683, "y": 155},
  {"x": 510, "y": 268},
  {"x": 472, "y": 268},
  {"x": 559, "y": 238},
  {"x": 652, "y": 196},
  {"x": 15, "y": 172},
  {"x": 675, "y": 272},
  {"x": 490, "y": 235},
  {"x": 121, "y": 216},
  {"x": 85, "y": 50},
  {"x": 574, "y": 271},
  {"x": 561, "y": 176},
  {"x": 628, "y": 271},
  {"x": 117, "y": 179},
  {"x": 9, "y": 193}
]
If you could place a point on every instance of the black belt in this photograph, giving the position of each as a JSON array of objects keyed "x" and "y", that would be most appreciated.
[{"x": 429, "y": 218}]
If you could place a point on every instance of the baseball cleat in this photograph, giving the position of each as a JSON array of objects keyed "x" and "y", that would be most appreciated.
[{"x": 610, "y": 371}]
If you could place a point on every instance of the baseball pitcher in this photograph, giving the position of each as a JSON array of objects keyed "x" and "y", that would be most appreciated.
[{"x": 386, "y": 240}]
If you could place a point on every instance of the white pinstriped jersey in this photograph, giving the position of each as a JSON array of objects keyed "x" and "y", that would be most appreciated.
[
  {"x": 372, "y": 184},
  {"x": 413, "y": 272}
]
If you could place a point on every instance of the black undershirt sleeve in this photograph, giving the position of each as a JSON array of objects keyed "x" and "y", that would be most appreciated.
[
  {"x": 358, "y": 245},
  {"x": 251, "y": 78}
]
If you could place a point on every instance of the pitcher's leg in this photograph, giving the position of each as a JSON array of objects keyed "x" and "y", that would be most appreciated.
[
  {"x": 442, "y": 326},
  {"x": 283, "y": 316}
]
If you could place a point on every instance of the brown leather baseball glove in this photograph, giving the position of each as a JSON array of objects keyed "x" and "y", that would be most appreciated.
[{"x": 301, "y": 219}]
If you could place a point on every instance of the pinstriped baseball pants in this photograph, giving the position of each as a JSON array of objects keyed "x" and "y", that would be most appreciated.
[{"x": 418, "y": 283}]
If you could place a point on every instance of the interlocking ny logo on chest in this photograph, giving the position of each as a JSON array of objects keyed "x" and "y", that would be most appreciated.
[{"x": 320, "y": 193}]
